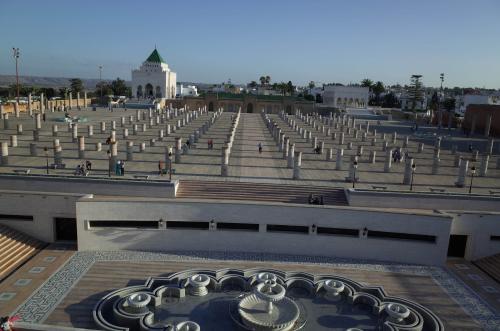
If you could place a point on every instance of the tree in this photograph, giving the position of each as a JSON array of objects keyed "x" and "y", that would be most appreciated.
[
  {"x": 252, "y": 84},
  {"x": 63, "y": 92},
  {"x": 268, "y": 80},
  {"x": 311, "y": 85},
  {"x": 290, "y": 88},
  {"x": 49, "y": 92},
  {"x": 377, "y": 89},
  {"x": 367, "y": 83},
  {"x": 106, "y": 89},
  {"x": 390, "y": 100},
  {"x": 262, "y": 80},
  {"x": 120, "y": 88},
  {"x": 449, "y": 104},
  {"x": 76, "y": 85},
  {"x": 415, "y": 91}
]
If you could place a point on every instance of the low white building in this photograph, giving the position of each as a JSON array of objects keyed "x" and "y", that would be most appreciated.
[
  {"x": 154, "y": 79},
  {"x": 186, "y": 91},
  {"x": 345, "y": 96},
  {"x": 407, "y": 102},
  {"x": 462, "y": 101}
]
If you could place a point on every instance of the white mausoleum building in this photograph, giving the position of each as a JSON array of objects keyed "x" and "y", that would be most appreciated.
[
  {"x": 345, "y": 96},
  {"x": 154, "y": 79}
]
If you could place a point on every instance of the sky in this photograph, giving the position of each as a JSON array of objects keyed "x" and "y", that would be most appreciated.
[{"x": 212, "y": 41}]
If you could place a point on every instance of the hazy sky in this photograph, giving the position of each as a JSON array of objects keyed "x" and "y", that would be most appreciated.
[{"x": 212, "y": 41}]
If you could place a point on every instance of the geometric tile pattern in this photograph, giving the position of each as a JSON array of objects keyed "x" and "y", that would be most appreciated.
[
  {"x": 461, "y": 266},
  {"x": 49, "y": 259},
  {"x": 43, "y": 301},
  {"x": 474, "y": 277},
  {"x": 490, "y": 289},
  {"x": 22, "y": 282}
]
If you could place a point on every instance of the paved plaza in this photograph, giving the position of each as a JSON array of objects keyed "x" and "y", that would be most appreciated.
[{"x": 245, "y": 163}]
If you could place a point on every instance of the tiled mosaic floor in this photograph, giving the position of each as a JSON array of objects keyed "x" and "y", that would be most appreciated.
[{"x": 43, "y": 301}]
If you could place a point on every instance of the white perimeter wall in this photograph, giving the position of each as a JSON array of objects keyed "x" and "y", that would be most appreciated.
[{"x": 404, "y": 251}]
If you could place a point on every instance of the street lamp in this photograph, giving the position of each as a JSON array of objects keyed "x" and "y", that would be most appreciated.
[
  {"x": 16, "y": 57},
  {"x": 109, "y": 162},
  {"x": 46, "y": 150},
  {"x": 170, "y": 163},
  {"x": 413, "y": 167},
  {"x": 355, "y": 166},
  {"x": 472, "y": 173}
]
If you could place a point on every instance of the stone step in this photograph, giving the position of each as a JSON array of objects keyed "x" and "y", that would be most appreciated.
[{"x": 490, "y": 265}]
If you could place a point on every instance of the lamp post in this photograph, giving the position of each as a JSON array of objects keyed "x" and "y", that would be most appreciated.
[
  {"x": 16, "y": 57},
  {"x": 170, "y": 163},
  {"x": 46, "y": 150},
  {"x": 413, "y": 167},
  {"x": 472, "y": 173},
  {"x": 355, "y": 166},
  {"x": 100, "y": 79},
  {"x": 109, "y": 163}
]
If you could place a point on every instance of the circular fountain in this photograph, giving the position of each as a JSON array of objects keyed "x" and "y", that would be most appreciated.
[
  {"x": 268, "y": 308},
  {"x": 199, "y": 284},
  {"x": 187, "y": 326},
  {"x": 138, "y": 302},
  {"x": 333, "y": 289},
  {"x": 397, "y": 312}
]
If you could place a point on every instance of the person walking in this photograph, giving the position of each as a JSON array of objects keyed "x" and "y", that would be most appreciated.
[
  {"x": 160, "y": 168},
  {"x": 117, "y": 168},
  {"x": 122, "y": 168},
  {"x": 260, "y": 148},
  {"x": 88, "y": 165}
]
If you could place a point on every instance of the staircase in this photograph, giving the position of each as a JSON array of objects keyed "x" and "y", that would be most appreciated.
[
  {"x": 192, "y": 189},
  {"x": 490, "y": 265},
  {"x": 15, "y": 249}
]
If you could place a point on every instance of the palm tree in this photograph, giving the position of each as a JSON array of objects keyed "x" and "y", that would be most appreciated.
[
  {"x": 262, "y": 80},
  {"x": 367, "y": 83},
  {"x": 268, "y": 80},
  {"x": 378, "y": 88}
]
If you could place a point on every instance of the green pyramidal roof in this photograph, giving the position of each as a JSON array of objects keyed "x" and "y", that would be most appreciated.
[{"x": 155, "y": 57}]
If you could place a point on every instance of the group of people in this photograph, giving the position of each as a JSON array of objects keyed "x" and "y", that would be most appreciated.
[
  {"x": 83, "y": 169},
  {"x": 397, "y": 157},
  {"x": 210, "y": 143},
  {"x": 120, "y": 168}
]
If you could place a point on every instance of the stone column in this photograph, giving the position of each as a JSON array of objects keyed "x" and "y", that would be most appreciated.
[
  {"x": 103, "y": 127},
  {"x": 30, "y": 105},
  {"x": 435, "y": 165},
  {"x": 374, "y": 141},
  {"x": 16, "y": 109},
  {"x": 178, "y": 149},
  {"x": 90, "y": 130},
  {"x": 98, "y": 146},
  {"x": 125, "y": 133},
  {"x": 130, "y": 150},
  {"x": 5, "y": 153},
  {"x": 353, "y": 173},
  {"x": 457, "y": 160},
  {"x": 58, "y": 155},
  {"x": 291, "y": 155},
  {"x": 296, "y": 165},
  {"x": 33, "y": 149},
  {"x": 489, "y": 146},
  {"x": 360, "y": 150},
  {"x": 36, "y": 135},
  {"x": 487, "y": 127},
  {"x": 81, "y": 147},
  {"x": 420, "y": 147},
  {"x": 483, "y": 169},
  {"x": 42, "y": 103},
  {"x": 78, "y": 100},
  {"x": 408, "y": 170},
  {"x": 224, "y": 161},
  {"x": 329, "y": 154},
  {"x": 388, "y": 160},
  {"x": 168, "y": 130},
  {"x": 349, "y": 145},
  {"x": 70, "y": 100},
  {"x": 113, "y": 136},
  {"x": 20, "y": 129},
  {"x": 54, "y": 130},
  {"x": 144, "y": 127},
  {"x": 462, "y": 173},
  {"x": 114, "y": 156},
  {"x": 321, "y": 147},
  {"x": 339, "y": 161},
  {"x": 13, "y": 140},
  {"x": 113, "y": 125},
  {"x": 373, "y": 156},
  {"x": 38, "y": 121},
  {"x": 134, "y": 129},
  {"x": 74, "y": 134},
  {"x": 285, "y": 147},
  {"x": 84, "y": 99},
  {"x": 394, "y": 138},
  {"x": 342, "y": 137}
]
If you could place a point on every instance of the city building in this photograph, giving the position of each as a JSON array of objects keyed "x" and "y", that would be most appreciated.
[
  {"x": 154, "y": 79},
  {"x": 188, "y": 90},
  {"x": 463, "y": 101},
  {"x": 345, "y": 96}
]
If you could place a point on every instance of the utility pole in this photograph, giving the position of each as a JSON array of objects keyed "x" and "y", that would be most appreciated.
[
  {"x": 100, "y": 79},
  {"x": 16, "y": 57}
]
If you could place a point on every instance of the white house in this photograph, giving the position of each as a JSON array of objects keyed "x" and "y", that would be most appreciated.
[
  {"x": 154, "y": 79},
  {"x": 462, "y": 101},
  {"x": 186, "y": 91},
  {"x": 407, "y": 102},
  {"x": 345, "y": 96}
]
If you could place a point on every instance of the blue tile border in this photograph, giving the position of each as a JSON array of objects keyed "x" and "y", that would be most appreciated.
[{"x": 44, "y": 300}]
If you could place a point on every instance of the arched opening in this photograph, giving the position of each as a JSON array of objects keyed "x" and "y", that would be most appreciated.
[
  {"x": 149, "y": 91},
  {"x": 158, "y": 92},
  {"x": 339, "y": 101},
  {"x": 289, "y": 110},
  {"x": 211, "y": 106},
  {"x": 250, "y": 108},
  {"x": 139, "y": 93}
]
